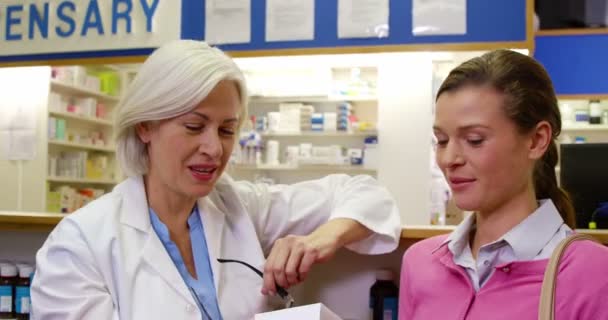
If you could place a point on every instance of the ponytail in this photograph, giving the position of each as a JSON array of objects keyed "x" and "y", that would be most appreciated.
[{"x": 545, "y": 185}]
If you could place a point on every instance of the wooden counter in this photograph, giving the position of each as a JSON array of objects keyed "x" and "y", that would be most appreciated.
[
  {"x": 29, "y": 221},
  {"x": 422, "y": 232},
  {"x": 42, "y": 221}
]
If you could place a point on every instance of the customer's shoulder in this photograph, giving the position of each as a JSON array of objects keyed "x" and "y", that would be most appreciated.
[
  {"x": 582, "y": 269},
  {"x": 424, "y": 249},
  {"x": 586, "y": 255}
]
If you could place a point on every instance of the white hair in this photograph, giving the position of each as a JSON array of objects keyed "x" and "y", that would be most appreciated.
[{"x": 172, "y": 81}]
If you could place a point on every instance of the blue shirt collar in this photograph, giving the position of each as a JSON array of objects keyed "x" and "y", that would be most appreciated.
[{"x": 194, "y": 222}]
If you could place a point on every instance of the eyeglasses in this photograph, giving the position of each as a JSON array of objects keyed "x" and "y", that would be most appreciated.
[{"x": 287, "y": 298}]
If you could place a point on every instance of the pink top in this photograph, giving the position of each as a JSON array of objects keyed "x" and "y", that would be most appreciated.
[{"x": 434, "y": 287}]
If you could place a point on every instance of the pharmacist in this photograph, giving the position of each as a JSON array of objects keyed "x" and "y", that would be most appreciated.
[{"x": 149, "y": 249}]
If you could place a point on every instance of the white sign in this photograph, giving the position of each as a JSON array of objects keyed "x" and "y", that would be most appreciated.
[
  {"x": 439, "y": 17},
  {"x": 227, "y": 21},
  {"x": 363, "y": 18},
  {"x": 53, "y": 26},
  {"x": 288, "y": 20}
]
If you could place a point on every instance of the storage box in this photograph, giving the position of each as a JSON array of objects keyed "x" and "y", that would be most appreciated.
[
  {"x": 109, "y": 83},
  {"x": 92, "y": 83},
  {"x": 316, "y": 311}
]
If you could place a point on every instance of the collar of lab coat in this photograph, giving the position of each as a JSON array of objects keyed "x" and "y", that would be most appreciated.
[{"x": 134, "y": 213}]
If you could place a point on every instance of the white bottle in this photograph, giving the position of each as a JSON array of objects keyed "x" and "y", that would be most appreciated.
[
  {"x": 595, "y": 112},
  {"x": 272, "y": 152},
  {"x": 439, "y": 198},
  {"x": 567, "y": 114}
]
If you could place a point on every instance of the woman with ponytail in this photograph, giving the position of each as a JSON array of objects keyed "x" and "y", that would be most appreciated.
[{"x": 496, "y": 125}]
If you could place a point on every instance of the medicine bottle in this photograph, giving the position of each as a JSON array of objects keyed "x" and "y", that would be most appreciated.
[
  {"x": 384, "y": 296},
  {"x": 8, "y": 278},
  {"x": 22, "y": 292},
  {"x": 595, "y": 112}
]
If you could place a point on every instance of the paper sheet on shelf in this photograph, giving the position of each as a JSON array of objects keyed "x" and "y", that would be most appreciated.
[
  {"x": 439, "y": 17},
  {"x": 288, "y": 20},
  {"x": 227, "y": 21},
  {"x": 18, "y": 128},
  {"x": 363, "y": 18},
  {"x": 22, "y": 104}
]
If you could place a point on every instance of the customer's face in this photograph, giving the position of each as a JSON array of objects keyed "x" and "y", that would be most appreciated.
[
  {"x": 480, "y": 151},
  {"x": 189, "y": 153}
]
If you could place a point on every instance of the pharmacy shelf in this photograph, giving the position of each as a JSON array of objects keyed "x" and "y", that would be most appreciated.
[
  {"x": 585, "y": 127},
  {"x": 81, "y": 146},
  {"x": 59, "y": 86},
  {"x": 281, "y": 99},
  {"x": 331, "y": 168},
  {"x": 320, "y": 134},
  {"x": 420, "y": 232},
  {"x": 81, "y": 180},
  {"x": 104, "y": 67},
  {"x": 73, "y": 116}
]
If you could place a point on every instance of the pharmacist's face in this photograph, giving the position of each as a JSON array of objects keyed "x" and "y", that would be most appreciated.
[
  {"x": 189, "y": 153},
  {"x": 480, "y": 151}
]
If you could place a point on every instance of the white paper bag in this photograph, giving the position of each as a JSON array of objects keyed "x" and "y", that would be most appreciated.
[{"x": 308, "y": 312}]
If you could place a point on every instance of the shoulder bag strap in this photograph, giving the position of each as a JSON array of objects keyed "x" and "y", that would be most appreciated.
[{"x": 546, "y": 307}]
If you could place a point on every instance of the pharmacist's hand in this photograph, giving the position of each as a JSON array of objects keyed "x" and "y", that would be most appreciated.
[{"x": 292, "y": 257}]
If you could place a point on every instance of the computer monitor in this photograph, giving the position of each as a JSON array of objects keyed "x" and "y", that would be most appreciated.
[{"x": 584, "y": 174}]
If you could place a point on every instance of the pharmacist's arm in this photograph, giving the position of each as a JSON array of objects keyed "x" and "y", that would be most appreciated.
[
  {"x": 299, "y": 209},
  {"x": 303, "y": 224},
  {"x": 292, "y": 257},
  {"x": 67, "y": 285}
]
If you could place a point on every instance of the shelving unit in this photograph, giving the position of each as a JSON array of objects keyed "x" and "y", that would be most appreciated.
[
  {"x": 586, "y": 127},
  {"x": 321, "y": 134},
  {"x": 325, "y": 87},
  {"x": 72, "y": 90},
  {"x": 81, "y": 146},
  {"x": 571, "y": 130},
  {"x": 77, "y": 117},
  {"x": 308, "y": 167},
  {"x": 82, "y": 123},
  {"x": 81, "y": 180},
  {"x": 328, "y": 98}
]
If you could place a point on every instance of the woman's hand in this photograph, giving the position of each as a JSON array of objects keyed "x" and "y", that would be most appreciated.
[{"x": 292, "y": 257}]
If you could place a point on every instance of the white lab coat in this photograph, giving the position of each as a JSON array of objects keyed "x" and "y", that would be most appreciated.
[{"x": 106, "y": 262}]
